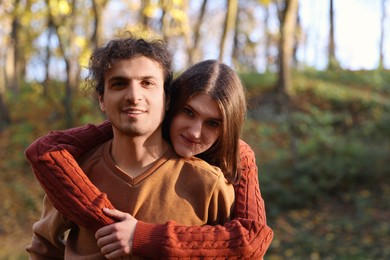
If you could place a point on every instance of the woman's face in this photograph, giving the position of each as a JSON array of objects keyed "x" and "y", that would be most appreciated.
[{"x": 197, "y": 126}]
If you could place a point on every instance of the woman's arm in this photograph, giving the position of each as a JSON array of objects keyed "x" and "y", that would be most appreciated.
[
  {"x": 64, "y": 182},
  {"x": 246, "y": 236}
]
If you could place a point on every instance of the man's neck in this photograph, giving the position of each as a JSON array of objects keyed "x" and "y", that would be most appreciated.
[{"x": 135, "y": 155}]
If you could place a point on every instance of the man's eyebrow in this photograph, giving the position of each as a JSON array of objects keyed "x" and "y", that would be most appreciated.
[
  {"x": 146, "y": 77},
  {"x": 114, "y": 78}
]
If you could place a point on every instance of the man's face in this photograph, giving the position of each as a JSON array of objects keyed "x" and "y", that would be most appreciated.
[{"x": 134, "y": 98}]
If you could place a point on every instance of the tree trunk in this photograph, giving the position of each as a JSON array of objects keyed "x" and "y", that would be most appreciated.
[
  {"x": 68, "y": 98},
  {"x": 236, "y": 51},
  {"x": 5, "y": 118},
  {"x": 267, "y": 47},
  {"x": 332, "y": 62},
  {"x": 97, "y": 36},
  {"x": 230, "y": 18},
  {"x": 143, "y": 17},
  {"x": 288, "y": 18},
  {"x": 297, "y": 36},
  {"x": 66, "y": 45},
  {"x": 382, "y": 37},
  {"x": 165, "y": 21},
  {"x": 193, "y": 52},
  {"x": 17, "y": 60},
  {"x": 14, "y": 67},
  {"x": 46, "y": 81}
]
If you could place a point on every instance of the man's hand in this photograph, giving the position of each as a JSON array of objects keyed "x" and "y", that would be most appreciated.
[{"x": 116, "y": 240}]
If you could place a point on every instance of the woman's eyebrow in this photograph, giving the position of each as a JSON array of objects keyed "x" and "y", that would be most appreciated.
[{"x": 196, "y": 112}]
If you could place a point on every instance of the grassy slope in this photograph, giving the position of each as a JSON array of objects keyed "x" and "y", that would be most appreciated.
[{"x": 349, "y": 221}]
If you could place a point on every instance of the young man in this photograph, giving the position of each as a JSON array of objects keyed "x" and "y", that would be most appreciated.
[{"x": 137, "y": 169}]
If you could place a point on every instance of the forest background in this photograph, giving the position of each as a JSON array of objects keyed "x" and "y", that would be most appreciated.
[{"x": 320, "y": 129}]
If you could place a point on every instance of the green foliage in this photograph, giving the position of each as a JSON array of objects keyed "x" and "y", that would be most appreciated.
[
  {"x": 324, "y": 166},
  {"x": 335, "y": 139},
  {"x": 33, "y": 114},
  {"x": 378, "y": 80},
  {"x": 255, "y": 82}
]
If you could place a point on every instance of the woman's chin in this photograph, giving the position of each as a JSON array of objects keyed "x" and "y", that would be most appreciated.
[{"x": 185, "y": 153}]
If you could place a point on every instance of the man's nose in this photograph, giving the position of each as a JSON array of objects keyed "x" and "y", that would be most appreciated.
[{"x": 134, "y": 93}]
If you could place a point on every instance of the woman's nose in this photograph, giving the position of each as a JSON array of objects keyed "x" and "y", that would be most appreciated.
[{"x": 195, "y": 130}]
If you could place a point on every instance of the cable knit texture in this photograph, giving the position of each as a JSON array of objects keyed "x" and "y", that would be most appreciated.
[{"x": 247, "y": 236}]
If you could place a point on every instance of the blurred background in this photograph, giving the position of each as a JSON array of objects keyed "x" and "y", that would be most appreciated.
[{"x": 318, "y": 88}]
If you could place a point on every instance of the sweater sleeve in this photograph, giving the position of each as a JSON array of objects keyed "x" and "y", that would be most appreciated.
[
  {"x": 62, "y": 179},
  {"x": 49, "y": 231},
  {"x": 246, "y": 236}
]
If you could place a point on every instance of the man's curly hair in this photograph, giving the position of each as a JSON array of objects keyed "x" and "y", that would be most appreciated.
[{"x": 103, "y": 58}]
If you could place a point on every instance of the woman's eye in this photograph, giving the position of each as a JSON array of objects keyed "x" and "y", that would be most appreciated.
[
  {"x": 188, "y": 111},
  {"x": 213, "y": 123}
]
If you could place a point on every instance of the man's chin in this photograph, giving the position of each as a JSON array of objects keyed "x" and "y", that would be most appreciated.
[{"x": 130, "y": 131}]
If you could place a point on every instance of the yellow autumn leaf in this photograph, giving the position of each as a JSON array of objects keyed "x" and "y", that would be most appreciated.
[
  {"x": 179, "y": 15},
  {"x": 60, "y": 7},
  {"x": 84, "y": 58},
  {"x": 81, "y": 42},
  {"x": 25, "y": 19},
  {"x": 178, "y": 2},
  {"x": 150, "y": 10},
  {"x": 265, "y": 2}
]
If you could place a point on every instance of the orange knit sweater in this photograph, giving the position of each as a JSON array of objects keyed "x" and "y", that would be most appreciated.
[{"x": 247, "y": 236}]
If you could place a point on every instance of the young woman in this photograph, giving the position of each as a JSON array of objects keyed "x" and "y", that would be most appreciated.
[{"x": 193, "y": 129}]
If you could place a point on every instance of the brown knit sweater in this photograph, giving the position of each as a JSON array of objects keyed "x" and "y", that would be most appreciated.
[
  {"x": 247, "y": 236},
  {"x": 187, "y": 190}
]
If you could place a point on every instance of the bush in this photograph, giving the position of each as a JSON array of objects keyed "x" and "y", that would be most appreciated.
[{"x": 307, "y": 157}]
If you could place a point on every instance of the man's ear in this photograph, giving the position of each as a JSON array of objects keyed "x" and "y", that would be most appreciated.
[{"x": 101, "y": 103}]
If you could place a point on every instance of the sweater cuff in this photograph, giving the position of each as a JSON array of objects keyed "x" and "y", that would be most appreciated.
[{"x": 148, "y": 240}]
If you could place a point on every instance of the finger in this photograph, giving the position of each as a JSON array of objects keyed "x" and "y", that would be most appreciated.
[
  {"x": 104, "y": 231},
  {"x": 115, "y": 254},
  {"x": 114, "y": 213},
  {"x": 106, "y": 240},
  {"x": 110, "y": 247},
  {"x": 115, "y": 250}
]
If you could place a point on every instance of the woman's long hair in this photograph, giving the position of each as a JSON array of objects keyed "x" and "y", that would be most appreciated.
[{"x": 224, "y": 86}]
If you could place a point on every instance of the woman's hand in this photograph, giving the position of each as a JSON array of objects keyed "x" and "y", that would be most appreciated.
[{"x": 116, "y": 240}]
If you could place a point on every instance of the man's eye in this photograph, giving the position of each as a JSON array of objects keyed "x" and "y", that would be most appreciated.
[
  {"x": 118, "y": 84},
  {"x": 147, "y": 83}
]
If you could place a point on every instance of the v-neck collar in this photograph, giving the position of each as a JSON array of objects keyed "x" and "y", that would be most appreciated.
[{"x": 126, "y": 177}]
